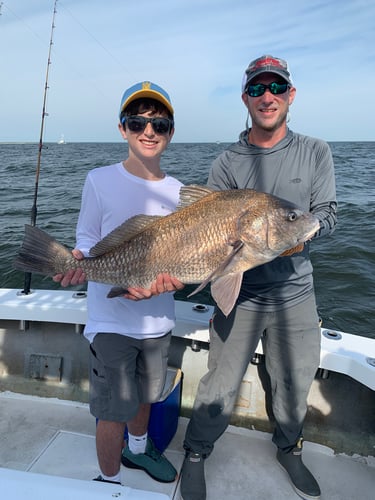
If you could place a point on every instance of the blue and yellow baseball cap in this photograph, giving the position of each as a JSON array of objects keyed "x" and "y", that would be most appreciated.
[{"x": 146, "y": 89}]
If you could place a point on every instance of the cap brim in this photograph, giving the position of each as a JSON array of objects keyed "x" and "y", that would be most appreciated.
[
  {"x": 144, "y": 93},
  {"x": 275, "y": 71}
]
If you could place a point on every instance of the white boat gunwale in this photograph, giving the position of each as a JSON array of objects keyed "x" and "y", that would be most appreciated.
[{"x": 341, "y": 352}]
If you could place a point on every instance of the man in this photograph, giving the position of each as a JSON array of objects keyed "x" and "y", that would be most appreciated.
[
  {"x": 276, "y": 301},
  {"x": 129, "y": 337}
]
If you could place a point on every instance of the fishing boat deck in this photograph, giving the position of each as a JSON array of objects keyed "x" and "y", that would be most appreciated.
[{"x": 47, "y": 448}]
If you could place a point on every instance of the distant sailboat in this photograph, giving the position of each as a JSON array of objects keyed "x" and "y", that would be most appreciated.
[{"x": 61, "y": 140}]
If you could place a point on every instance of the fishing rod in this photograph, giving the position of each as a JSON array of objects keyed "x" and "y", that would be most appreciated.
[{"x": 34, "y": 209}]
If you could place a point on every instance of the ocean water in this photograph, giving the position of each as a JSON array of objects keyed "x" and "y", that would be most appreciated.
[{"x": 344, "y": 263}]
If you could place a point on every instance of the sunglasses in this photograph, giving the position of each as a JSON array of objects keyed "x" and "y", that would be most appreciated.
[
  {"x": 139, "y": 123},
  {"x": 259, "y": 89}
]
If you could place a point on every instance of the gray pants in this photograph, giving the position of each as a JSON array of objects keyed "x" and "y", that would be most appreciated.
[{"x": 291, "y": 342}]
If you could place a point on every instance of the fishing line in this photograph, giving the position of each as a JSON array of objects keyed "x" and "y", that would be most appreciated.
[
  {"x": 2, "y": 4},
  {"x": 34, "y": 209},
  {"x": 98, "y": 42}
]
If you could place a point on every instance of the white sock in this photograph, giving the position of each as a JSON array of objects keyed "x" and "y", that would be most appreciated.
[
  {"x": 137, "y": 444},
  {"x": 117, "y": 477}
]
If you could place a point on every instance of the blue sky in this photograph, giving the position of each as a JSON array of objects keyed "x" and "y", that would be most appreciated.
[{"x": 197, "y": 50}]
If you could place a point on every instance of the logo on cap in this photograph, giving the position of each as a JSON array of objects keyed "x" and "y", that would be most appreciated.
[{"x": 268, "y": 61}]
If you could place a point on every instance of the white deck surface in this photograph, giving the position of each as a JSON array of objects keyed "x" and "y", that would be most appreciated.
[{"x": 47, "y": 450}]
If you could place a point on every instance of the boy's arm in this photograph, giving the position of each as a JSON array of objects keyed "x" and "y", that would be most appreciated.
[{"x": 163, "y": 283}]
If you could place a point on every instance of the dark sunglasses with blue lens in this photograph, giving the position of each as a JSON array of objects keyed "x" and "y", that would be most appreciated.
[
  {"x": 137, "y": 123},
  {"x": 259, "y": 89}
]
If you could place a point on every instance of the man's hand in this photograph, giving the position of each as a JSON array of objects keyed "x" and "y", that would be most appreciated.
[
  {"x": 73, "y": 276},
  {"x": 163, "y": 283}
]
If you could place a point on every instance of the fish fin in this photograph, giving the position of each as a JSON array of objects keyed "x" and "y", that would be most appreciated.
[
  {"x": 293, "y": 250},
  {"x": 137, "y": 224},
  {"x": 116, "y": 291},
  {"x": 216, "y": 274},
  {"x": 123, "y": 233},
  {"x": 40, "y": 253},
  {"x": 191, "y": 194},
  {"x": 225, "y": 291}
]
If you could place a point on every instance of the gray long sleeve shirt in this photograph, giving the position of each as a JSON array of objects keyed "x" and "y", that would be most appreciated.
[{"x": 299, "y": 169}]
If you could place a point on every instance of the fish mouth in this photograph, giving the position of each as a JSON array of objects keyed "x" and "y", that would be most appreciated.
[{"x": 310, "y": 234}]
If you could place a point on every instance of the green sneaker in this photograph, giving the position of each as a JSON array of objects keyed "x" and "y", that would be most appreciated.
[{"x": 151, "y": 461}]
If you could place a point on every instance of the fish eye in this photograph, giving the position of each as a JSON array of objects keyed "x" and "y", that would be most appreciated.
[{"x": 292, "y": 216}]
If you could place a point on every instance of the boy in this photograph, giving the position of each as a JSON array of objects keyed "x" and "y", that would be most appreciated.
[{"x": 129, "y": 337}]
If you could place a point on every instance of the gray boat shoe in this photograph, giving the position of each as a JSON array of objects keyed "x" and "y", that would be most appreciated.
[
  {"x": 193, "y": 483},
  {"x": 301, "y": 478}
]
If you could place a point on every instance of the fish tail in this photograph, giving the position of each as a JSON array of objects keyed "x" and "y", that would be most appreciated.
[{"x": 40, "y": 253}]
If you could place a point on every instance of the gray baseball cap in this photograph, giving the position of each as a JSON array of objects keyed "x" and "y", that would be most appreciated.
[{"x": 266, "y": 64}]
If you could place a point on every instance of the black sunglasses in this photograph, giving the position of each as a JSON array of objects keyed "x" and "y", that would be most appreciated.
[
  {"x": 138, "y": 124},
  {"x": 259, "y": 89}
]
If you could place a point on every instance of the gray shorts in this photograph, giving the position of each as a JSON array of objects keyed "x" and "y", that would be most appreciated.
[{"x": 125, "y": 372}]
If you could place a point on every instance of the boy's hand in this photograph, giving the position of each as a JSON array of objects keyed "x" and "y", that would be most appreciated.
[
  {"x": 73, "y": 276},
  {"x": 163, "y": 283}
]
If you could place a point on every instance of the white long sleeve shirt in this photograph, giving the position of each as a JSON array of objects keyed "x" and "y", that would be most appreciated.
[{"x": 110, "y": 196}]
